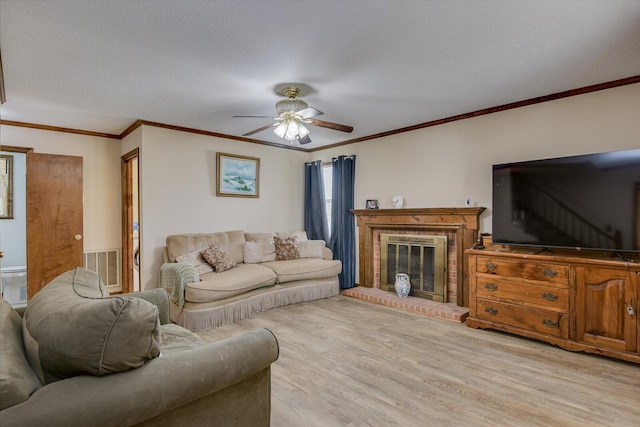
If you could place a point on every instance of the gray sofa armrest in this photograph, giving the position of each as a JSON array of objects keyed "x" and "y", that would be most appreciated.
[
  {"x": 158, "y": 297},
  {"x": 181, "y": 383}
]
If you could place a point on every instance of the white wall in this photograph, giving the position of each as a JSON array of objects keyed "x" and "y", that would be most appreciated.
[
  {"x": 101, "y": 177},
  {"x": 440, "y": 166},
  {"x": 178, "y": 191},
  {"x": 433, "y": 167}
]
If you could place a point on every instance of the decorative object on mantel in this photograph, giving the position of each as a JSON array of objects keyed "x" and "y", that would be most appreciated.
[
  {"x": 372, "y": 204},
  {"x": 397, "y": 201},
  {"x": 402, "y": 285}
]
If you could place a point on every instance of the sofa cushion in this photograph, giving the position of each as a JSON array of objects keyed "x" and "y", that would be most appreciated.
[
  {"x": 256, "y": 252},
  {"x": 73, "y": 327},
  {"x": 195, "y": 258},
  {"x": 218, "y": 258},
  {"x": 259, "y": 237},
  {"x": 304, "y": 269},
  {"x": 17, "y": 380},
  {"x": 286, "y": 248},
  {"x": 231, "y": 242},
  {"x": 176, "y": 339},
  {"x": 217, "y": 286},
  {"x": 311, "y": 249},
  {"x": 298, "y": 235}
]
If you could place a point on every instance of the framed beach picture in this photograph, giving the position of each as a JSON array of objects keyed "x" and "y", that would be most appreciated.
[
  {"x": 6, "y": 187},
  {"x": 237, "y": 176}
]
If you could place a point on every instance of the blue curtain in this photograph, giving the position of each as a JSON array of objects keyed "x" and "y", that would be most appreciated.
[
  {"x": 343, "y": 226},
  {"x": 315, "y": 210}
]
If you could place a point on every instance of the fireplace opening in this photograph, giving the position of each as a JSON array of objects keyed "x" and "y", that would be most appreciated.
[{"x": 422, "y": 258}]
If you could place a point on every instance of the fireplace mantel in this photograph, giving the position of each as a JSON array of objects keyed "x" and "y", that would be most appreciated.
[{"x": 464, "y": 222}]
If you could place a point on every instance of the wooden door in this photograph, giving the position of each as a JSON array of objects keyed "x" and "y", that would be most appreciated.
[
  {"x": 54, "y": 218},
  {"x": 130, "y": 216},
  {"x": 602, "y": 298}
]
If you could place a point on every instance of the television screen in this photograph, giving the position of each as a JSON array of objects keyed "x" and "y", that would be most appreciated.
[{"x": 584, "y": 202}]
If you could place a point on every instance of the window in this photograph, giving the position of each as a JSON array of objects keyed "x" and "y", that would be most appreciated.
[{"x": 327, "y": 174}]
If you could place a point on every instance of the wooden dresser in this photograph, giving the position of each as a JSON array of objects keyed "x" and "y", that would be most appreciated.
[{"x": 578, "y": 301}]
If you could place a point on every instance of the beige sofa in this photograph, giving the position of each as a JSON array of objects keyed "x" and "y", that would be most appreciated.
[
  {"x": 79, "y": 357},
  {"x": 203, "y": 299}
]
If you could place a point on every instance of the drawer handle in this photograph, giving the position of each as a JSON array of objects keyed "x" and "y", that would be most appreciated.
[
  {"x": 550, "y": 323},
  {"x": 549, "y": 297},
  {"x": 491, "y": 310},
  {"x": 547, "y": 272},
  {"x": 491, "y": 266},
  {"x": 490, "y": 286}
]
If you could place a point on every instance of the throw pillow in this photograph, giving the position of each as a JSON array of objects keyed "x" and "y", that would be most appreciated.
[
  {"x": 311, "y": 248},
  {"x": 195, "y": 258},
  {"x": 286, "y": 249},
  {"x": 218, "y": 258},
  {"x": 256, "y": 252},
  {"x": 17, "y": 380},
  {"x": 73, "y": 327}
]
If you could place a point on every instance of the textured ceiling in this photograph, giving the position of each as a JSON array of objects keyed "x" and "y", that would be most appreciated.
[{"x": 375, "y": 65}]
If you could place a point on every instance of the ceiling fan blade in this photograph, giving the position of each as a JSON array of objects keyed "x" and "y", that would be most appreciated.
[
  {"x": 259, "y": 117},
  {"x": 330, "y": 125},
  {"x": 309, "y": 112},
  {"x": 260, "y": 129},
  {"x": 304, "y": 140}
]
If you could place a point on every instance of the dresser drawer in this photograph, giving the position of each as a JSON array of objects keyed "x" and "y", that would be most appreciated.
[
  {"x": 551, "y": 273},
  {"x": 533, "y": 319},
  {"x": 517, "y": 292}
]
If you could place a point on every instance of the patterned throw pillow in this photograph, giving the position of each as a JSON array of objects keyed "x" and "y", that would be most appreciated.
[
  {"x": 286, "y": 249},
  {"x": 218, "y": 258}
]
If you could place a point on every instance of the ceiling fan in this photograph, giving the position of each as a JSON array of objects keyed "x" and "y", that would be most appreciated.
[{"x": 293, "y": 114}]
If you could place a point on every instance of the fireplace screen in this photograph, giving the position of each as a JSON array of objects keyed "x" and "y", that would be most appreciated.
[{"x": 422, "y": 258}]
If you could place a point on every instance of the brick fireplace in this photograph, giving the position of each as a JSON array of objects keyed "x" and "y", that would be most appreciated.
[{"x": 459, "y": 225}]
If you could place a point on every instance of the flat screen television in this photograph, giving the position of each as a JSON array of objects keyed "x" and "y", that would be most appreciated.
[{"x": 582, "y": 202}]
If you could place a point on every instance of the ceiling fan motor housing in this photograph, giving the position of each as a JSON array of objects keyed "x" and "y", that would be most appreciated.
[{"x": 290, "y": 106}]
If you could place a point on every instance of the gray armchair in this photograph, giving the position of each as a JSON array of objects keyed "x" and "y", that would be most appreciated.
[{"x": 189, "y": 383}]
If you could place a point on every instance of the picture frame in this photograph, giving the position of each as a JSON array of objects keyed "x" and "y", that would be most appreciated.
[
  {"x": 372, "y": 204},
  {"x": 237, "y": 176},
  {"x": 6, "y": 186}
]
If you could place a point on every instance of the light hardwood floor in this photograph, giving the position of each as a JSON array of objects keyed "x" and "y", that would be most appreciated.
[{"x": 347, "y": 362}]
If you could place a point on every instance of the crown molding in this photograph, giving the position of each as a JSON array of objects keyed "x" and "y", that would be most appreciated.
[
  {"x": 491, "y": 110},
  {"x": 537, "y": 100}
]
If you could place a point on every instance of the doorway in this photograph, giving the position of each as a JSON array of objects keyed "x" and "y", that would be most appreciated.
[{"x": 131, "y": 221}]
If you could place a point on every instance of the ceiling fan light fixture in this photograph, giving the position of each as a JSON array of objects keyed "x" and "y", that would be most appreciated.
[
  {"x": 281, "y": 129},
  {"x": 292, "y": 131},
  {"x": 294, "y": 114},
  {"x": 302, "y": 131}
]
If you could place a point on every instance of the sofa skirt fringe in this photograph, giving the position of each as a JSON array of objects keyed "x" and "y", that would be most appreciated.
[{"x": 206, "y": 317}]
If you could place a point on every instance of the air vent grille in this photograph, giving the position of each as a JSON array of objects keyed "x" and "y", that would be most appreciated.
[{"x": 105, "y": 262}]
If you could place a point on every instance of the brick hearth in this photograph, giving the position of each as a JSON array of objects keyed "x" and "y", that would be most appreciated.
[{"x": 447, "y": 311}]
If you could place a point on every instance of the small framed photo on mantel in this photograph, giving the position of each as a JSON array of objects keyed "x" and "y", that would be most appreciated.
[
  {"x": 237, "y": 176},
  {"x": 372, "y": 204}
]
